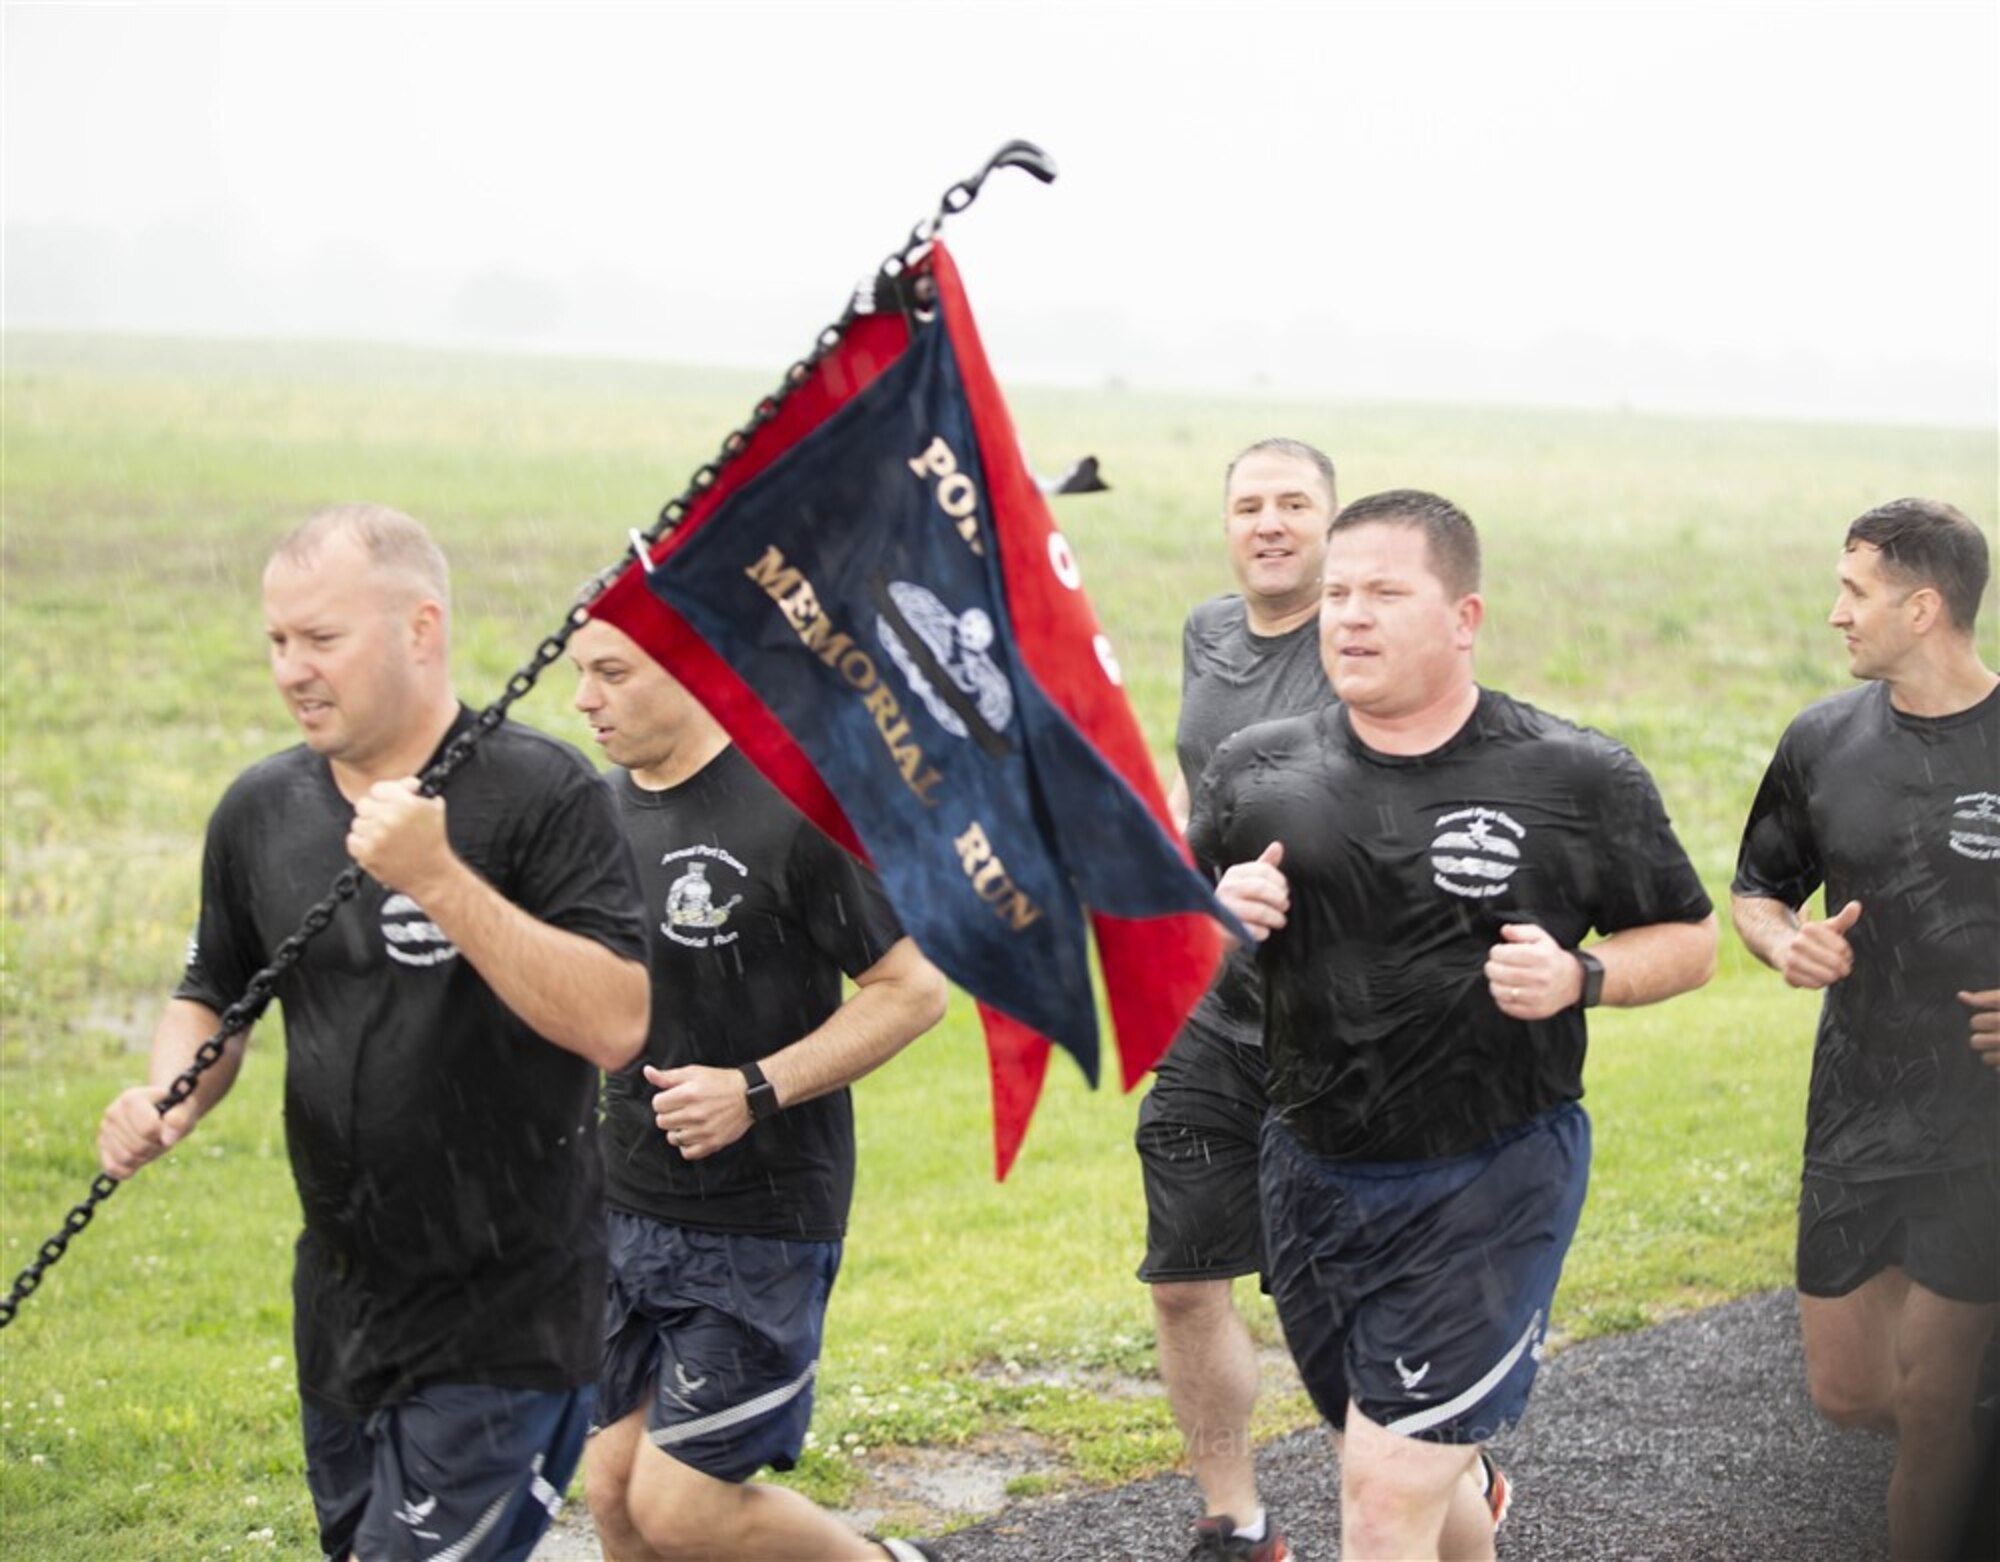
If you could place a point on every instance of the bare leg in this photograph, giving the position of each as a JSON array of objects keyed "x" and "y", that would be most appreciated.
[
  {"x": 1850, "y": 1347},
  {"x": 686, "y": 1516},
  {"x": 1209, "y": 1366},
  {"x": 1938, "y": 1348},
  {"x": 1398, "y": 1494},
  {"x": 607, "y": 1478},
  {"x": 1896, "y": 1357},
  {"x": 1468, "y": 1522}
]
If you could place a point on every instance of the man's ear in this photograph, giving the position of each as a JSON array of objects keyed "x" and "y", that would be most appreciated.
[{"x": 1926, "y": 609}]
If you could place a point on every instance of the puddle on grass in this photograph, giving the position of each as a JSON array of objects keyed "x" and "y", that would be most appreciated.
[{"x": 928, "y": 1490}]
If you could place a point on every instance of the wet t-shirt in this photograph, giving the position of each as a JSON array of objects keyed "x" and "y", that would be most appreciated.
[
  {"x": 445, "y": 1154},
  {"x": 1232, "y": 678},
  {"x": 1384, "y": 1040},
  {"x": 752, "y": 915},
  {"x": 1901, "y": 813}
]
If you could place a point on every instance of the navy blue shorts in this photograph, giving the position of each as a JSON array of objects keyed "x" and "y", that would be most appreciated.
[
  {"x": 460, "y": 1470},
  {"x": 1942, "y": 1229},
  {"x": 1420, "y": 1290},
  {"x": 1197, "y": 1141},
  {"x": 718, "y": 1336}
]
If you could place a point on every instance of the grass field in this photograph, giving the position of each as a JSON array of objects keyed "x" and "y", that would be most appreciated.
[{"x": 1664, "y": 579}]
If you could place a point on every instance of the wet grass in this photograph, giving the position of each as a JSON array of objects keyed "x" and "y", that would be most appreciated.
[{"x": 1665, "y": 579}]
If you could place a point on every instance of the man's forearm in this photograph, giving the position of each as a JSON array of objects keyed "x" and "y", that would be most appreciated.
[
  {"x": 183, "y": 1027},
  {"x": 888, "y": 1009},
  {"x": 1650, "y": 964},
  {"x": 576, "y": 993},
  {"x": 1765, "y": 925}
]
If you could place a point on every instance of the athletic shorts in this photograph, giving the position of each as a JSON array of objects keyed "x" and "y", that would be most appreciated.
[
  {"x": 1420, "y": 1290},
  {"x": 1197, "y": 1140},
  {"x": 463, "y": 1470},
  {"x": 1942, "y": 1229},
  {"x": 718, "y": 1336}
]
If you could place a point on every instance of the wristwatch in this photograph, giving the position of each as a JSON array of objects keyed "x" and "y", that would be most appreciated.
[
  {"x": 763, "y": 1096},
  {"x": 1593, "y": 979}
]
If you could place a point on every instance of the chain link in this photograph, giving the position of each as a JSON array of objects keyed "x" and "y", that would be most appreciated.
[{"x": 260, "y": 989}]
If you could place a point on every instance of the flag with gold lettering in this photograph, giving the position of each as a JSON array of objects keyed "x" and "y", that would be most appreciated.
[{"x": 874, "y": 602}]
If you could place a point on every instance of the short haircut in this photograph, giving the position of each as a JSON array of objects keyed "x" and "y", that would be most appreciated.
[
  {"x": 1449, "y": 535},
  {"x": 392, "y": 540},
  {"x": 1297, "y": 450},
  {"x": 1926, "y": 542}
]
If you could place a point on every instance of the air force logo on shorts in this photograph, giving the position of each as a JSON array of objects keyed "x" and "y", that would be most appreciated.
[
  {"x": 1975, "y": 826},
  {"x": 1476, "y": 852},
  {"x": 412, "y": 938}
]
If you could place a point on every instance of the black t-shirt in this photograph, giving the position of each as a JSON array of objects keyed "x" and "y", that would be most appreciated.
[
  {"x": 1901, "y": 813},
  {"x": 444, "y": 1153},
  {"x": 752, "y": 915},
  {"x": 1384, "y": 1041},
  {"x": 1232, "y": 679}
]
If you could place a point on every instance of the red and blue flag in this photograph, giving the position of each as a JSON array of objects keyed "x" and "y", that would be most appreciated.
[{"x": 874, "y": 602}]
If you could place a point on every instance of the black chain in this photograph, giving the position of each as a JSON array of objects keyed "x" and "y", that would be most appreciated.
[{"x": 890, "y": 290}]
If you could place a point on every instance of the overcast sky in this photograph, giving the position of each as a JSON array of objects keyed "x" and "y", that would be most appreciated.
[{"x": 1744, "y": 207}]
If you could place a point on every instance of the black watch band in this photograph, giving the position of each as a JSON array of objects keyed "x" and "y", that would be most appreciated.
[
  {"x": 763, "y": 1096},
  {"x": 1593, "y": 979}
]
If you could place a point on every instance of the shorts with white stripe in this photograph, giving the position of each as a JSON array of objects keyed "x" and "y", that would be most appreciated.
[
  {"x": 1420, "y": 1290},
  {"x": 718, "y": 1335},
  {"x": 457, "y": 1472}
]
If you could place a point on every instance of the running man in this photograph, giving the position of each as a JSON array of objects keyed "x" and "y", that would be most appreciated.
[
  {"x": 1246, "y": 657},
  {"x": 729, "y": 1148},
  {"x": 442, "y": 1043},
  {"x": 1422, "y": 862},
  {"x": 1889, "y": 796}
]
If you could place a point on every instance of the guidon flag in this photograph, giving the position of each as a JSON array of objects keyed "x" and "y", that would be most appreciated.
[{"x": 872, "y": 600}]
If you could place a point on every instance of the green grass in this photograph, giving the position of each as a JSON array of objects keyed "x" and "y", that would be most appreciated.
[{"x": 1666, "y": 579}]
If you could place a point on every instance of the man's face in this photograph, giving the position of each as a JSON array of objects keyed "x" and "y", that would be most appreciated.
[
  {"x": 1392, "y": 637},
  {"x": 638, "y": 711},
  {"x": 1872, "y": 613},
  {"x": 345, "y": 639},
  {"x": 1275, "y": 514}
]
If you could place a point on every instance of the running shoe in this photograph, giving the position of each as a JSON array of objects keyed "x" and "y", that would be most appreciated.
[
  {"x": 1499, "y": 1492},
  {"x": 1216, "y": 1540},
  {"x": 906, "y": 1550}
]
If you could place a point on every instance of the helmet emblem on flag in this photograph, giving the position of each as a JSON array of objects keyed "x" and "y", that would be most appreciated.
[{"x": 957, "y": 643}]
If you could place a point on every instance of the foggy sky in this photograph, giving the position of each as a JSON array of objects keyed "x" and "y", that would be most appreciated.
[{"x": 1750, "y": 208}]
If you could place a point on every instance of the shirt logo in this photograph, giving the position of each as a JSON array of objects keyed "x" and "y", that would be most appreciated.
[
  {"x": 1975, "y": 826},
  {"x": 694, "y": 916},
  {"x": 956, "y": 644},
  {"x": 1476, "y": 852},
  {"x": 410, "y": 937}
]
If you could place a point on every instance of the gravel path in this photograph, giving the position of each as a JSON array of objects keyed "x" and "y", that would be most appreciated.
[{"x": 1686, "y": 1442}]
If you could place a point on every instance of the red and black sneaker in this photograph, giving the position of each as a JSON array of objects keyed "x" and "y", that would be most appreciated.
[{"x": 1216, "y": 1540}]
